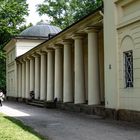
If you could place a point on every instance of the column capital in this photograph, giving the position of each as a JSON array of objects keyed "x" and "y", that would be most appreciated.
[
  {"x": 78, "y": 36},
  {"x": 49, "y": 50},
  {"x": 57, "y": 46},
  {"x": 44, "y": 49},
  {"x": 67, "y": 42},
  {"x": 36, "y": 54},
  {"x": 91, "y": 29},
  {"x": 30, "y": 57},
  {"x": 18, "y": 61},
  {"x": 26, "y": 58},
  {"x": 43, "y": 52},
  {"x": 22, "y": 60}
]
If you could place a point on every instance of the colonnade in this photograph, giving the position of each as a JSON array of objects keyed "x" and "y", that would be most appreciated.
[{"x": 52, "y": 73}]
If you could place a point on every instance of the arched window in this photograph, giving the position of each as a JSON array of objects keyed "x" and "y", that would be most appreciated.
[
  {"x": 128, "y": 68},
  {"x": 127, "y": 47}
]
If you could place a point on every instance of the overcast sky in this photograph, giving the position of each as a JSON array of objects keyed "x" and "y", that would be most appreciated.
[{"x": 33, "y": 15}]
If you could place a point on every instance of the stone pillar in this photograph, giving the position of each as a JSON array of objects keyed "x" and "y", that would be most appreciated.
[
  {"x": 43, "y": 89},
  {"x": 58, "y": 74},
  {"x": 16, "y": 80},
  {"x": 32, "y": 74},
  {"x": 93, "y": 71},
  {"x": 37, "y": 76},
  {"x": 68, "y": 95},
  {"x": 23, "y": 79},
  {"x": 27, "y": 79},
  {"x": 79, "y": 70},
  {"x": 50, "y": 76},
  {"x": 19, "y": 80}
]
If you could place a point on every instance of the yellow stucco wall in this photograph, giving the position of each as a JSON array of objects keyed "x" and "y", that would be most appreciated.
[
  {"x": 110, "y": 55},
  {"x": 129, "y": 39},
  {"x": 121, "y": 34},
  {"x": 11, "y": 90}
]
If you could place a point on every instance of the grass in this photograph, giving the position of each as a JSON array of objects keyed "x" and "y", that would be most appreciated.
[{"x": 13, "y": 129}]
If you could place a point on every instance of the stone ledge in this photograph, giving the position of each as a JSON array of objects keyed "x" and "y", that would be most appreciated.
[
  {"x": 82, "y": 108},
  {"x": 129, "y": 115},
  {"x": 11, "y": 98},
  {"x": 111, "y": 113},
  {"x": 121, "y": 114}
]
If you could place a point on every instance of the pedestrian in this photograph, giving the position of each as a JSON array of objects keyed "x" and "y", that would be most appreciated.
[{"x": 1, "y": 97}]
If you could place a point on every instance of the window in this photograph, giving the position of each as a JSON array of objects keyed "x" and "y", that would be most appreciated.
[{"x": 128, "y": 68}]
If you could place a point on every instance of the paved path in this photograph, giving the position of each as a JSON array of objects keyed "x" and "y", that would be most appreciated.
[{"x": 60, "y": 125}]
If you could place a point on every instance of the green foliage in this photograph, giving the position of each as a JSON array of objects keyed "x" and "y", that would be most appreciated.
[
  {"x": 12, "y": 17},
  {"x": 85, "y": 7},
  {"x": 12, "y": 14},
  {"x": 65, "y": 12}
]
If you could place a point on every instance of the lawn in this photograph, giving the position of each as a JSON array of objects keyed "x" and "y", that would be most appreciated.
[{"x": 13, "y": 129}]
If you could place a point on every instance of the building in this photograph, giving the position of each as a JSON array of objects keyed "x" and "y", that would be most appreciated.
[{"x": 93, "y": 62}]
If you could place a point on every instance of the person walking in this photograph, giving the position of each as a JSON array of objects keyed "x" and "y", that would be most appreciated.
[{"x": 1, "y": 97}]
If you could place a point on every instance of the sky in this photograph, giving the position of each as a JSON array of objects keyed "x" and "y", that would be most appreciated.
[{"x": 33, "y": 15}]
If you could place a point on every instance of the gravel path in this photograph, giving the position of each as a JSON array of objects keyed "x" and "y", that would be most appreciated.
[{"x": 62, "y": 125}]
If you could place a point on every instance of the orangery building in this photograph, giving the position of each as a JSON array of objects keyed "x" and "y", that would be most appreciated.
[{"x": 91, "y": 66}]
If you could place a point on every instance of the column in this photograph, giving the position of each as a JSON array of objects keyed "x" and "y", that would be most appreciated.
[
  {"x": 79, "y": 70},
  {"x": 50, "y": 76},
  {"x": 68, "y": 76},
  {"x": 23, "y": 79},
  {"x": 15, "y": 81},
  {"x": 19, "y": 79},
  {"x": 27, "y": 79},
  {"x": 43, "y": 89},
  {"x": 58, "y": 74},
  {"x": 32, "y": 74},
  {"x": 93, "y": 71},
  {"x": 37, "y": 76}
]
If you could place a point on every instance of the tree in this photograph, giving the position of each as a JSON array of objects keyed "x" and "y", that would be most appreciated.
[
  {"x": 12, "y": 17},
  {"x": 2, "y": 70},
  {"x": 12, "y": 14},
  {"x": 85, "y": 7},
  {"x": 65, "y": 12}
]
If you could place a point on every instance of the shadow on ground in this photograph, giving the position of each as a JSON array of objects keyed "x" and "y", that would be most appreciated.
[{"x": 25, "y": 127}]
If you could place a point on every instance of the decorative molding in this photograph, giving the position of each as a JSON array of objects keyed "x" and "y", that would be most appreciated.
[{"x": 128, "y": 22}]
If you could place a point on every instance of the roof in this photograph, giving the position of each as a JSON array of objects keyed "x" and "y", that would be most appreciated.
[
  {"x": 66, "y": 29},
  {"x": 40, "y": 30}
]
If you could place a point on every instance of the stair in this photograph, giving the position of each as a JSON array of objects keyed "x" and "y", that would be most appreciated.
[{"x": 36, "y": 103}]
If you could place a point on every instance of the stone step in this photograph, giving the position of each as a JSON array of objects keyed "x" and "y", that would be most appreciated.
[
  {"x": 36, "y": 104},
  {"x": 37, "y": 101}
]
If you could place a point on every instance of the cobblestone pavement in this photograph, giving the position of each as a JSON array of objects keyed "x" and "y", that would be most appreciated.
[{"x": 62, "y": 125}]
